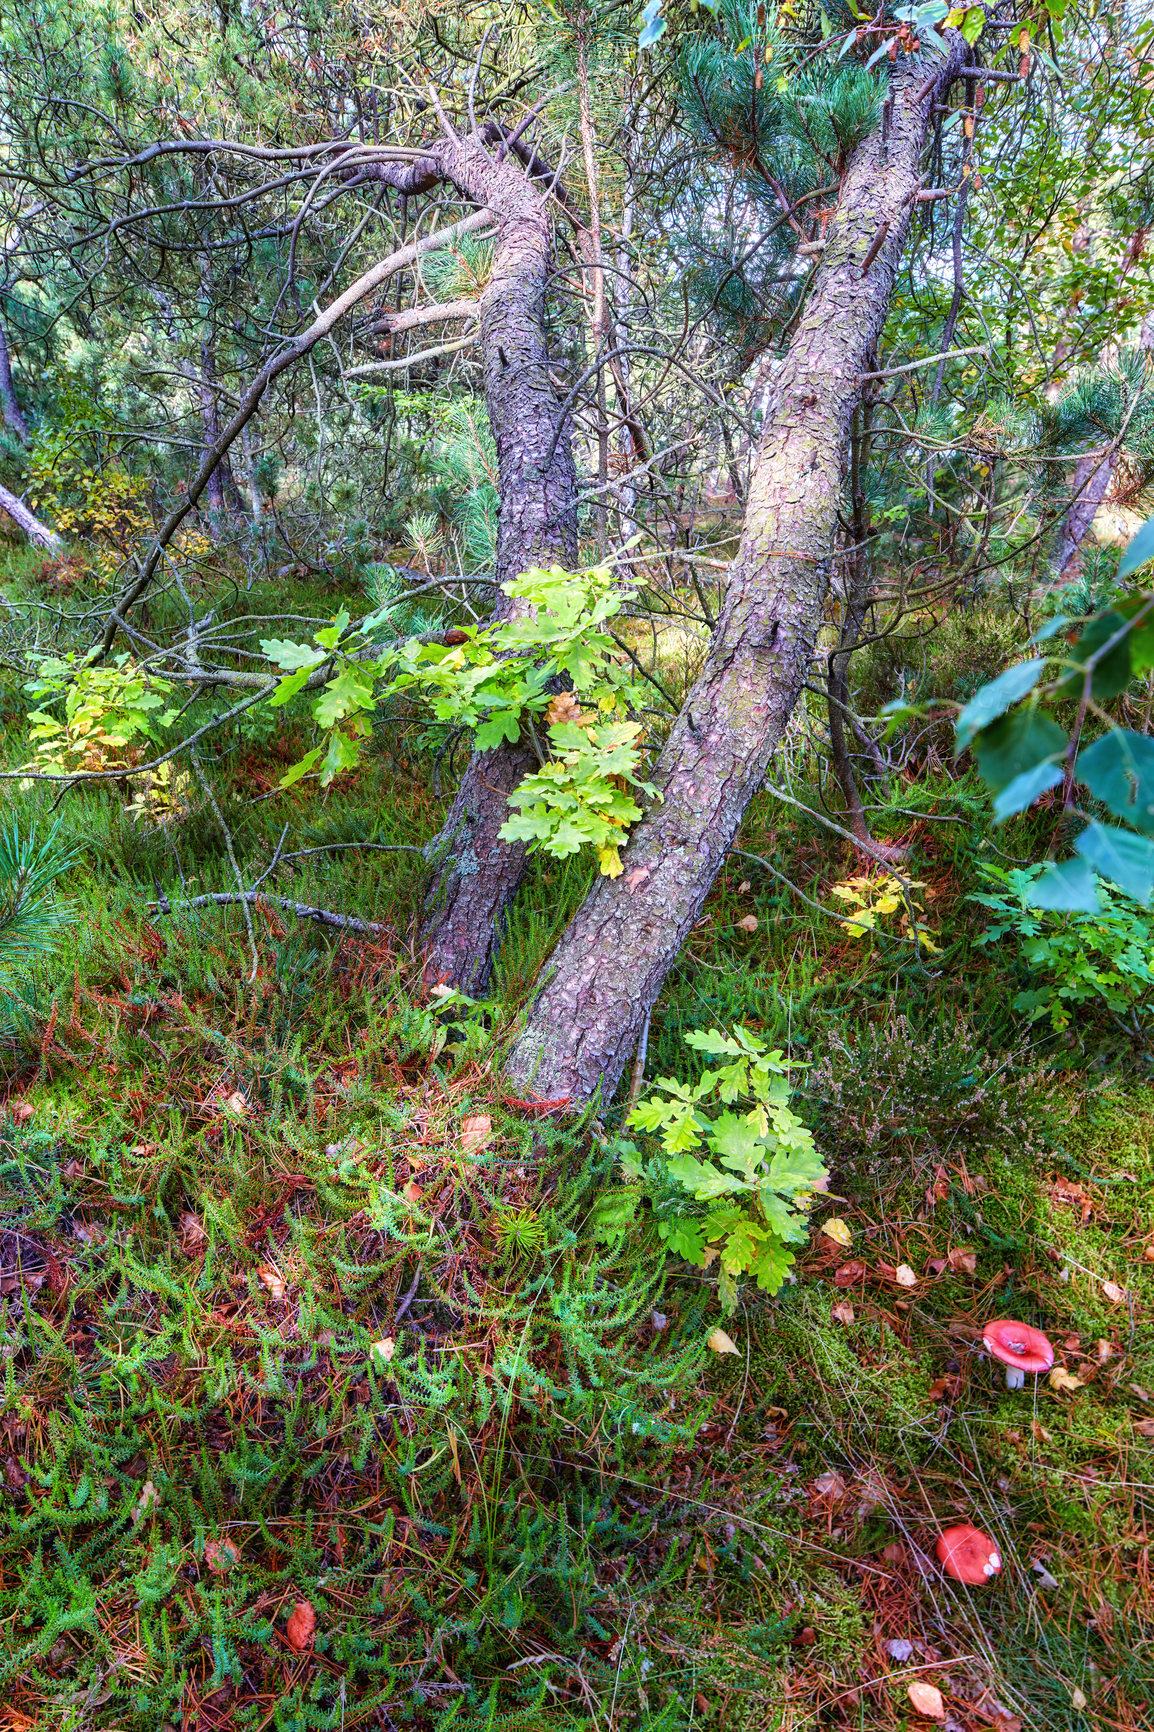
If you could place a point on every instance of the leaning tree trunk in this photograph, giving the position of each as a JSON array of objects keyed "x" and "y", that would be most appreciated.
[
  {"x": 478, "y": 874},
  {"x": 608, "y": 969},
  {"x": 1092, "y": 476}
]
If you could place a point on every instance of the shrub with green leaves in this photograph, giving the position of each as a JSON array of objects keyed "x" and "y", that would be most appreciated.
[
  {"x": 496, "y": 680},
  {"x": 1104, "y": 960},
  {"x": 734, "y": 1187}
]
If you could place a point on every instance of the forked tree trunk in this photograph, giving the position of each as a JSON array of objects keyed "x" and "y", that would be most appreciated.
[
  {"x": 478, "y": 874},
  {"x": 610, "y": 964}
]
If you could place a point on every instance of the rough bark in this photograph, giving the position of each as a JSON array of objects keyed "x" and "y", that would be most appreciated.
[
  {"x": 221, "y": 494},
  {"x": 611, "y": 962},
  {"x": 478, "y": 874},
  {"x": 9, "y": 402},
  {"x": 38, "y": 533},
  {"x": 1092, "y": 477}
]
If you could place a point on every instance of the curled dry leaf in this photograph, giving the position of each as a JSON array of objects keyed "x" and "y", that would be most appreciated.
[
  {"x": 1144, "y": 1427},
  {"x": 899, "y": 1649},
  {"x": 301, "y": 1627},
  {"x": 192, "y": 1234},
  {"x": 719, "y": 1342},
  {"x": 836, "y": 1229},
  {"x": 748, "y": 923},
  {"x": 849, "y": 1274},
  {"x": 235, "y": 1104},
  {"x": 963, "y": 1262},
  {"x": 412, "y": 1192},
  {"x": 927, "y": 1699},
  {"x": 1060, "y": 1379},
  {"x": 565, "y": 707},
  {"x": 22, "y": 1112},
  {"x": 904, "y": 1276},
  {"x": 273, "y": 1280},
  {"x": 743, "y": 887},
  {"x": 145, "y": 1503},
  {"x": 384, "y": 1349},
  {"x": 830, "y": 1484},
  {"x": 475, "y": 1132},
  {"x": 843, "y": 1312},
  {"x": 1113, "y": 1292}
]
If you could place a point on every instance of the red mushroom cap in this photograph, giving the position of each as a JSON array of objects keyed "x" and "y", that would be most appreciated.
[
  {"x": 969, "y": 1555},
  {"x": 1019, "y": 1345}
]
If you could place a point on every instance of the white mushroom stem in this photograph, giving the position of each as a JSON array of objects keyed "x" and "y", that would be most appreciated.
[{"x": 1015, "y": 1377}]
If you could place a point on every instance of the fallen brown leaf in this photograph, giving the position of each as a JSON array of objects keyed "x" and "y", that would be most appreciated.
[
  {"x": 849, "y": 1274},
  {"x": 146, "y": 1503},
  {"x": 475, "y": 1132},
  {"x": 220, "y": 1555},
  {"x": 273, "y": 1280},
  {"x": 843, "y": 1312},
  {"x": 964, "y": 1262},
  {"x": 719, "y": 1342},
  {"x": 301, "y": 1627},
  {"x": 748, "y": 923},
  {"x": 927, "y": 1699}
]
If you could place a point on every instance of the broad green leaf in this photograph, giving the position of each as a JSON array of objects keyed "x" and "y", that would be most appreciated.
[
  {"x": 685, "y": 1237},
  {"x": 994, "y": 699},
  {"x": 1119, "y": 855},
  {"x": 343, "y": 753},
  {"x": 701, "y": 1179},
  {"x": 289, "y": 655},
  {"x": 342, "y": 696},
  {"x": 1017, "y": 743},
  {"x": 771, "y": 1266},
  {"x": 307, "y": 763},
  {"x": 1139, "y": 551},
  {"x": 1141, "y": 636},
  {"x": 1071, "y": 888},
  {"x": 736, "y": 1143},
  {"x": 974, "y": 23},
  {"x": 501, "y": 725},
  {"x": 331, "y": 636},
  {"x": 1024, "y": 790},
  {"x": 1112, "y": 674},
  {"x": 1118, "y": 769}
]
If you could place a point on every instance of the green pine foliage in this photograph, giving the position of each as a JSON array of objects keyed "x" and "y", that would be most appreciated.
[{"x": 32, "y": 916}]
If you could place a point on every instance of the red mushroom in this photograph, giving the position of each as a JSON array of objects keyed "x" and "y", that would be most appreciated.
[
  {"x": 968, "y": 1555},
  {"x": 1020, "y": 1349}
]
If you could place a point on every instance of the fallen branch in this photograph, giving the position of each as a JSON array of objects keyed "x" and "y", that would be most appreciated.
[
  {"x": 38, "y": 533},
  {"x": 302, "y": 910}
]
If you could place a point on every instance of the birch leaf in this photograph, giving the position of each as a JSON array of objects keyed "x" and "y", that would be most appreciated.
[
  {"x": 836, "y": 1229},
  {"x": 719, "y": 1342},
  {"x": 927, "y": 1699}
]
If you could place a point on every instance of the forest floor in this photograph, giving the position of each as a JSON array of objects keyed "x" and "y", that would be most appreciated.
[{"x": 324, "y": 1407}]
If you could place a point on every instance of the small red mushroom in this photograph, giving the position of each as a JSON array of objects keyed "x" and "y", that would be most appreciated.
[
  {"x": 1020, "y": 1349},
  {"x": 968, "y": 1555}
]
